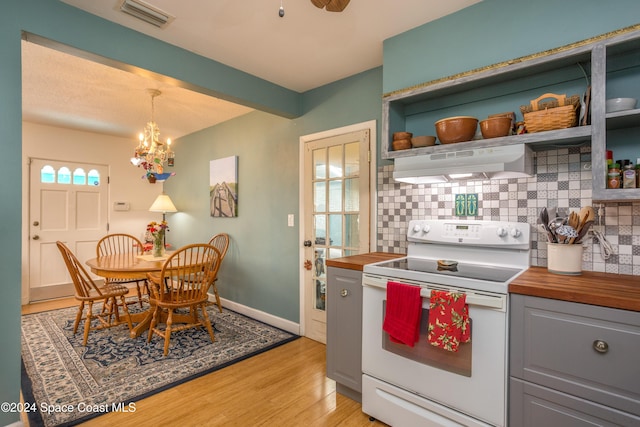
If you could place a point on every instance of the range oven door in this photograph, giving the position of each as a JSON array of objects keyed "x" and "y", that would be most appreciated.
[{"x": 439, "y": 387}]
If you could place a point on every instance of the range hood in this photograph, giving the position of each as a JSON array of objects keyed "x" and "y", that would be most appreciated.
[{"x": 507, "y": 161}]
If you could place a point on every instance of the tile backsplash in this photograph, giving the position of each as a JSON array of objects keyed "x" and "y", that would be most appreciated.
[{"x": 562, "y": 180}]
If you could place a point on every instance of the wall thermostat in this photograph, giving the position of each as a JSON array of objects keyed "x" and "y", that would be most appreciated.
[{"x": 121, "y": 206}]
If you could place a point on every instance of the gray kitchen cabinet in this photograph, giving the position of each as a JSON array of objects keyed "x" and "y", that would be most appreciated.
[
  {"x": 573, "y": 364},
  {"x": 609, "y": 64},
  {"x": 344, "y": 330}
]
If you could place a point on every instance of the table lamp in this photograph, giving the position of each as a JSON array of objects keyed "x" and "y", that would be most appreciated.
[{"x": 163, "y": 204}]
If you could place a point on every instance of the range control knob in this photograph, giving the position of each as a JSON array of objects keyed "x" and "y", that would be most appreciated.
[
  {"x": 501, "y": 232},
  {"x": 515, "y": 232},
  {"x": 416, "y": 228},
  {"x": 426, "y": 229}
]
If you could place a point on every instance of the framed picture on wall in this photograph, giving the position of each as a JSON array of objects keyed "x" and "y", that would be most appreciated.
[{"x": 223, "y": 187}]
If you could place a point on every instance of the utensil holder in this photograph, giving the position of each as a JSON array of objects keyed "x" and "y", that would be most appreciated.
[{"x": 564, "y": 258}]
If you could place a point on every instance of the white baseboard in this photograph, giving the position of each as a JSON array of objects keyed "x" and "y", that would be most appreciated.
[{"x": 267, "y": 318}]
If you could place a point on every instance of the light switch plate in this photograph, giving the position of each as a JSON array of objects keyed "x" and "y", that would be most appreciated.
[{"x": 290, "y": 220}]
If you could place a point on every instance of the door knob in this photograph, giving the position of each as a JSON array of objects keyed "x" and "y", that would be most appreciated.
[
  {"x": 307, "y": 243},
  {"x": 36, "y": 237},
  {"x": 36, "y": 223}
]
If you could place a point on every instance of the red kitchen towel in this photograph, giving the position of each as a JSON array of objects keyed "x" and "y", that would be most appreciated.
[
  {"x": 448, "y": 320},
  {"x": 403, "y": 312}
]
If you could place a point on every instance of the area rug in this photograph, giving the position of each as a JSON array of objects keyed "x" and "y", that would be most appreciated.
[{"x": 64, "y": 383}]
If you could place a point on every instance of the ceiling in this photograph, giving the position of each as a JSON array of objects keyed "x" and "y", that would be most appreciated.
[{"x": 305, "y": 49}]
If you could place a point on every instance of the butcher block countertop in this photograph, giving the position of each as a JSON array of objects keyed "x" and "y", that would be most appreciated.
[
  {"x": 604, "y": 289},
  {"x": 357, "y": 262}
]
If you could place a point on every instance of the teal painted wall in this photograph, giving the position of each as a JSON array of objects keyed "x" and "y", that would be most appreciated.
[
  {"x": 267, "y": 145},
  {"x": 493, "y": 31},
  {"x": 262, "y": 267}
]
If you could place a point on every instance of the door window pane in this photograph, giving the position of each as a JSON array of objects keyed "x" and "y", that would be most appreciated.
[
  {"x": 79, "y": 178},
  {"x": 352, "y": 230},
  {"x": 352, "y": 195},
  {"x": 335, "y": 230},
  {"x": 320, "y": 224},
  {"x": 335, "y": 161},
  {"x": 319, "y": 164},
  {"x": 94, "y": 177},
  {"x": 320, "y": 196},
  {"x": 319, "y": 267},
  {"x": 64, "y": 175},
  {"x": 335, "y": 196},
  {"x": 320, "y": 295},
  {"x": 48, "y": 174},
  {"x": 351, "y": 159}
]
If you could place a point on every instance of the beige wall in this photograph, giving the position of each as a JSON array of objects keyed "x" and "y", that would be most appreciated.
[{"x": 126, "y": 184}]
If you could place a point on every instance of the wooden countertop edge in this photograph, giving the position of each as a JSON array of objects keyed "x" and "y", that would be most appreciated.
[
  {"x": 602, "y": 289},
  {"x": 357, "y": 262}
]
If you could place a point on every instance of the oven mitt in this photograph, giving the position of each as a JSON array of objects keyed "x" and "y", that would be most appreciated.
[
  {"x": 403, "y": 312},
  {"x": 448, "y": 320}
]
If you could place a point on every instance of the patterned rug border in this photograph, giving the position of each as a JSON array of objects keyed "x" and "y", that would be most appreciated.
[{"x": 36, "y": 420}]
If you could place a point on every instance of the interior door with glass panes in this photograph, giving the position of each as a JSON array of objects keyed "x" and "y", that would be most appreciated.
[{"x": 336, "y": 215}]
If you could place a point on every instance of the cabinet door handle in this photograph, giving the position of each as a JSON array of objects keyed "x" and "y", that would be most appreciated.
[
  {"x": 600, "y": 346},
  {"x": 344, "y": 293}
]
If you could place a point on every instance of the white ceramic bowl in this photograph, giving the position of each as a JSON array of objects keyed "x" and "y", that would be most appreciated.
[{"x": 620, "y": 104}]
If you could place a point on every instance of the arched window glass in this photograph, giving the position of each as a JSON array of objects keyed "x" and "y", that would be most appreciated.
[
  {"x": 79, "y": 177},
  {"x": 48, "y": 174},
  {"x": 64, "y": 175},
  {"x": 94, "y": 178}
]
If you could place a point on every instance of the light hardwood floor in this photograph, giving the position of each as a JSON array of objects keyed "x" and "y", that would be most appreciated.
[{"x": 286, "y": 386}]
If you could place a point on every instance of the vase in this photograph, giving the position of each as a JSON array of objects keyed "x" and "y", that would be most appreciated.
[{"x": 158, "y": 245}]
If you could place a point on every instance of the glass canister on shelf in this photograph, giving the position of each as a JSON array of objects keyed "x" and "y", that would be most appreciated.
[
  {"x": 613, "y": 176},
  {"x": 629, "y": 176}
]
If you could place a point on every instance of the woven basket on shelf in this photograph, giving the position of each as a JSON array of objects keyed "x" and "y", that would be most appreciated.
[{"x": 560, "y": 113}]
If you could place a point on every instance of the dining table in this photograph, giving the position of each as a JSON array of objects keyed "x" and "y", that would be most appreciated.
[{"x": 131, "y": 266}]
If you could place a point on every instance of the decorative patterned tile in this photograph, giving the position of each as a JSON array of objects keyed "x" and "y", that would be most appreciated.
[{"x": 563, "y": 180}]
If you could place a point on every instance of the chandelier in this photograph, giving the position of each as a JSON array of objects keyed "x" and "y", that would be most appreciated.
[{"x": 151, "y": 154}]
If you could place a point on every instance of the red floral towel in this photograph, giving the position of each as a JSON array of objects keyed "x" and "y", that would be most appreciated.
[
  {"x": 403, "y": 312},
  {"x": 448, "y": 320}
]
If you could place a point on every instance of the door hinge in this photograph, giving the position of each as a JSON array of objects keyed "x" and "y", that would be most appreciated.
[
  {"x": 107, "y": 227},
  {"x": 369, "y": 156}
]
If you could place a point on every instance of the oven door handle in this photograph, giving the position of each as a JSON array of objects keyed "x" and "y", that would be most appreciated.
[
  {"x": 497, "y": 302},
  {"x": 474, "y": 299}
]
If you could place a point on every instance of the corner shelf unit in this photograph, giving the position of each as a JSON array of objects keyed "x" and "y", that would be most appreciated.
[{"x": 609, "y": 63}]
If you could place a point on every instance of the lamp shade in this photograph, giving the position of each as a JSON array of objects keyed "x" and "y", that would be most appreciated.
[{"x": 163, "y": 204}]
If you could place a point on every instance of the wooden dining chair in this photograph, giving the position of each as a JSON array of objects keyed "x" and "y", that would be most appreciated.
[
  {"x": 221, "y": 242},
  {"x": 120, "y": 243},
  {"x": 112, "y": 295},
  {"x": 183, "y": 282}
]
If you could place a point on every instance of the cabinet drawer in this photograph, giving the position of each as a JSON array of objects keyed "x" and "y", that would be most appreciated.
[
  {"x": 555, "y": 344},
  {"x": 533, "y": 405}
]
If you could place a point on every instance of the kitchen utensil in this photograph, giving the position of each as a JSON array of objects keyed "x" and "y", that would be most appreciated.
[
  {"x": 566, "y": 233},
  {"x": 583, "y": 231},
  {"x": 495, "y": 127},
  {"x": 456, "y": 129},
  {"x": 402, "y": 135},
  {"x": 544, "y": 220},
  {"x": 620, "y": 104},
  {"x": 401, "y": 144},
  {"x": 423, "y": 141}
]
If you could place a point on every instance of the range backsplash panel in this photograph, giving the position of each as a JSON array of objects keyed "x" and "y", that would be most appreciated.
[{"x": 562, "y": 180}]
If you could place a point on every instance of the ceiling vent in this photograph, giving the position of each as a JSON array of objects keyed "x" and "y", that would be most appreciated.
[{"x": 147, "y": 13}]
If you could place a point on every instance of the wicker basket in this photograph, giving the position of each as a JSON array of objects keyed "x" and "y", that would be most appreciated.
[{"x": 560, "y": 113}]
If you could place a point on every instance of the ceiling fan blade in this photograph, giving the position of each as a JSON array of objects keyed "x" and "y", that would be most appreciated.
[
  {"x": 336, "y": 5},
  {"x": 320, "y": 3}
]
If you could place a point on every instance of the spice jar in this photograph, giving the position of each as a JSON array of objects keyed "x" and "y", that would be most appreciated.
[
  {"x": 629, "y": 176},
  {"x": 613, "y": 176}
]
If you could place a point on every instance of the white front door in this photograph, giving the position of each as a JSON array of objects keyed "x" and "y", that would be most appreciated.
[
  {"x": 68, "y": 202},
  {"x": 336, "y": 214}
]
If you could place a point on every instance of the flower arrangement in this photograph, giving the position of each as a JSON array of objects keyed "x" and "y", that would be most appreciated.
[{"x": 156, "y": 230}]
